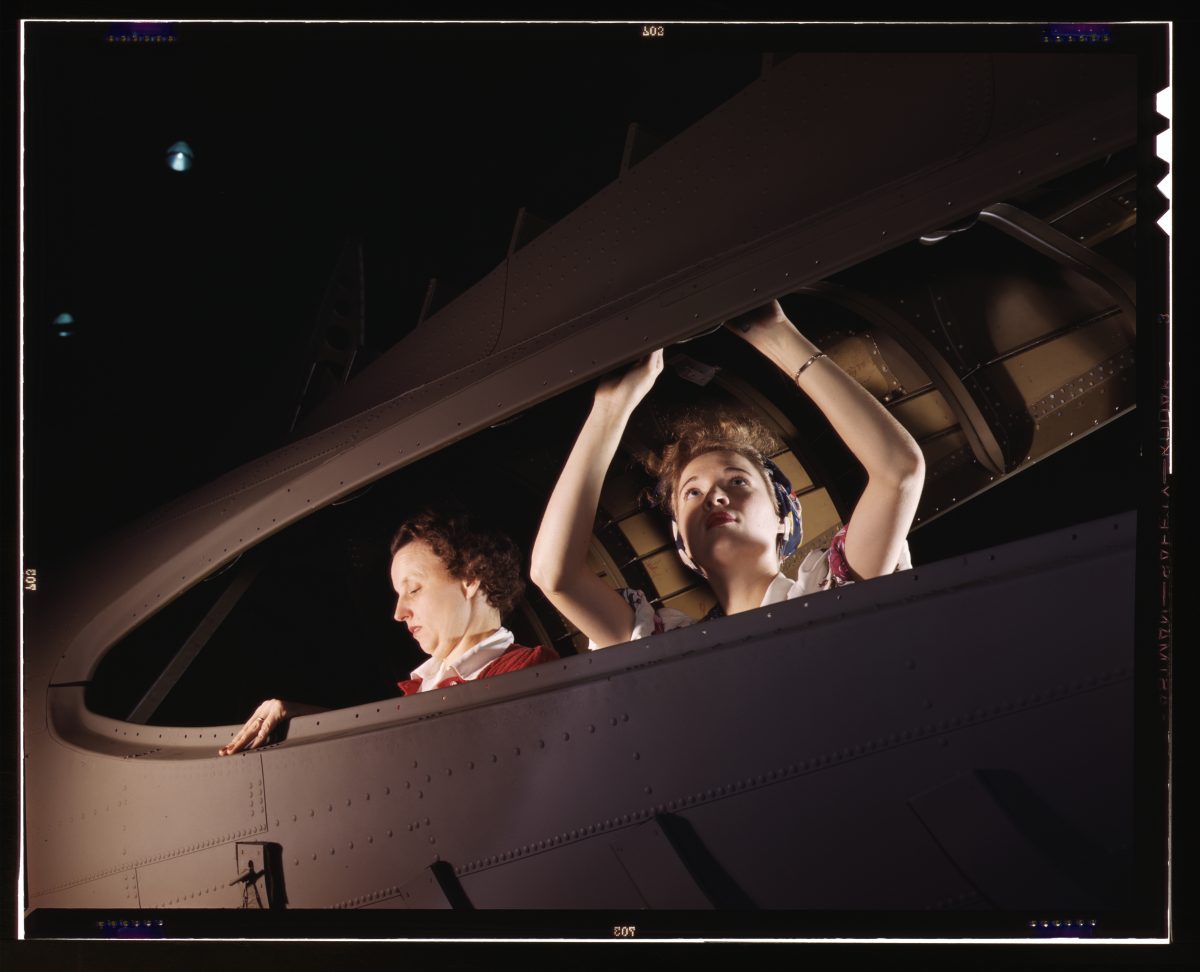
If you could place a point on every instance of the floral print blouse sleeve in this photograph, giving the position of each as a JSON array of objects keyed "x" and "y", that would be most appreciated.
[
  {"x": 823, "y": 570},
  {"x": 648, "y": 620}
]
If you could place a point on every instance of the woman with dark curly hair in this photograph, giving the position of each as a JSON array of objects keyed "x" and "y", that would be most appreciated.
[
  {"x": 454, "y": 584},
  {"x": 732, "y": 510}
]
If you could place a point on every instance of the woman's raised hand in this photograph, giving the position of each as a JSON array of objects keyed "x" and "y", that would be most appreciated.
[
  {"x": 559, "y": 562},
  {"x": 633, "y": 384},
  {"x": 893, "y": 461},
  {"x": 763, "y": 328},
  {"x": 257, "y": 728}
]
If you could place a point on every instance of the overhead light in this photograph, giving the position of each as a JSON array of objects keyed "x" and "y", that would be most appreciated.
[
  {"x": 65, "y": 324},
  {"x": 179, "y": 156}
]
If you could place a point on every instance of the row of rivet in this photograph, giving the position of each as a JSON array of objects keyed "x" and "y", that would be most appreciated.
[
  {"x": 389, "y": 832},
  {"x": 191, "y": 848},
  {"x": 950, "y": 461},
  {"x": 189, "y": 897},
  {"x": 365, "y": 899},
  {"x": 1045, "y": 406},
  {"x": 820, "y": 761},
  {"x": 448, "y": 771}
]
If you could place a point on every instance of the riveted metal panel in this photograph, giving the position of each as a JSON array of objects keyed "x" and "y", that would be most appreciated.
[
  {"x": 421, "y": 893},
  {"x": 1040, "y": 372},
  {"x": 818, "y": 841},
  {"x": 197, "y": 880},
  {"x": 958, "y": 811},
  {"x": 118, "y": 890},
  {"x": 952, "y": 473},
  {"x": 1019, "y": 73},
  {"x": 858, "y": 356},
  {"x": 944, "y": 450},
  {"x": 904, "y": 374},
  {"x": 678, "y": 206},
  {"x": 654, "y": 865},
  {"x": 585, "y": 875},
  {"x": 1083, "y": 404},
  {"x": 790, "y": 739},
  {"x": 634, "y": 868},
  {"x": 348, "y": 818},
  {"x": 925, "y": 415},
  {"x": 101, "y": 815},
  {"x": 845, "y": 832}
]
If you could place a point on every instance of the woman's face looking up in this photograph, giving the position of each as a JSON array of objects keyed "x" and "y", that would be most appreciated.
[{"x": 726, "y": 511}]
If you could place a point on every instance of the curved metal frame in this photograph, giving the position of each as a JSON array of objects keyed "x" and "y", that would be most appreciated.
[
  {"x": 1066, "y": 252},
  {"x": 979, "y": 434}
]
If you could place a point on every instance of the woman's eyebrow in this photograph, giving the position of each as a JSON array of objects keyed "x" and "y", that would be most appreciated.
[{"x": 727, "y": 469}]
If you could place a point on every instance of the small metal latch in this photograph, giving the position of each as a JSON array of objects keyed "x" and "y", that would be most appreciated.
[{"x": 260, "y": 871}]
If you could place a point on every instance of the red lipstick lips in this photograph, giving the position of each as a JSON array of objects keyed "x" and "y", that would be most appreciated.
[{"x": 717, "y": 518}]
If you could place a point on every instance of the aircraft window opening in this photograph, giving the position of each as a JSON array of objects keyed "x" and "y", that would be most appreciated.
[{"x": 316, "y": 625}]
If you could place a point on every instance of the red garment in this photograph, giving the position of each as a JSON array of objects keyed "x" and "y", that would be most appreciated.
[
  {"x": 840, "y": 573},
  {"x": 514, "y": 658}
]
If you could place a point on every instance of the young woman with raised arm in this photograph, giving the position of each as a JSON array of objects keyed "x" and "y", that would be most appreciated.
[{"x": 731, "y": 508}]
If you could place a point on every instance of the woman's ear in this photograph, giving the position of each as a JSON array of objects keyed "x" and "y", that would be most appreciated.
[
  {"x": 470, "y": 588},
  {"x": 682, "y": 551}
]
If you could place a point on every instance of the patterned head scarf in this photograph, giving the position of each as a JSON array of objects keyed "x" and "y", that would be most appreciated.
[{"x": 786, "y": 505}]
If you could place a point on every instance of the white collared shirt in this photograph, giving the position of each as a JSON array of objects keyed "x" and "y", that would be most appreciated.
[
  {"x": 813, "y": 575},
  {"x": 780, "y": 589},
  {"x": 432, "y": 672}
]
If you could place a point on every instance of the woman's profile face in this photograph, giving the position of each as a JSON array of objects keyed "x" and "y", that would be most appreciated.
[
  {"x": 726, "y": 511},
  {"x": 435, "y": 605}
]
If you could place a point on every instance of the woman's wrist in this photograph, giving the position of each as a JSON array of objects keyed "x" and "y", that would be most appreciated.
[
  {"x": 609, "y": 409},
  {"x": 789, "y": 349},
  {"x": 808, "y": 363}
]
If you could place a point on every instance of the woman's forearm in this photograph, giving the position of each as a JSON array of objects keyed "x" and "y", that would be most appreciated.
[
  {"x": 894, "y": 463},
  {"x": 884, "y": 447},
  {"x": 559, "y": 562},
  {"x": 561, "y": 548}
]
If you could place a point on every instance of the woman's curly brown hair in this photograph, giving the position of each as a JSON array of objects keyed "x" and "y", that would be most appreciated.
[
  {"x": 469, "y": 552},
  {"x": 697, "y": 434}
]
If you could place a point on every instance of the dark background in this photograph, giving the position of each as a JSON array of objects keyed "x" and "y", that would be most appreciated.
[{"x": 195, "y": 293}]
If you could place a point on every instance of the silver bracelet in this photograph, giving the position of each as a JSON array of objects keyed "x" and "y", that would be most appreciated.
[{"x": 800, "y": 370}]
